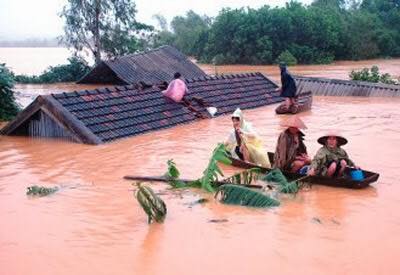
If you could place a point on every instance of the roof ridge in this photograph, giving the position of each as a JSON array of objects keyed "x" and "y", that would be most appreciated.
[
  {"x": 350, "y": 82},
  {"x": 139, "y": 53}
]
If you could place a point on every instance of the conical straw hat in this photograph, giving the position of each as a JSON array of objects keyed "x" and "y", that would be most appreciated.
[
  {"x": 295, "y": 122},
  {"x": 340, "y": 140}
]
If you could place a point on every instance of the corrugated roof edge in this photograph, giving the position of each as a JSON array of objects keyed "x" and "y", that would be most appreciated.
[{"x": 348, "y": 82}]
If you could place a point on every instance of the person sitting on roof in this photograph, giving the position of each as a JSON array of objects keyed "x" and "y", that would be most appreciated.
[
  {"x": 331, "y": 160},
  {"x": 244, "y": 143},
  {"x": 288, "y": 89},
  {"x": 291, "y": 152},
  {"x": 176, "y": 89}
]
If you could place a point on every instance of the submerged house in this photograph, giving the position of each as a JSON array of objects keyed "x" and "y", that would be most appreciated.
[
  {"x": 107, "y": 114},
  {"x": 150, "y": 67},
  {"x": 338, "y": 87}
]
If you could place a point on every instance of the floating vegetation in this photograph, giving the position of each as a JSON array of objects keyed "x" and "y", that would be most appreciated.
[
  {"x": 196, "y": 202},
  {"x": 40, "y": 191},
  {"x": 241, "y": 195},
  {"x": 152, "y": 205},
  {"x": 218, "y": 220},
  {"x": 173, "y": 174},
  {"x": 282, "y": 183},
  {"x": 246, "y": 177},
  {"x": 211, "y": 173}
]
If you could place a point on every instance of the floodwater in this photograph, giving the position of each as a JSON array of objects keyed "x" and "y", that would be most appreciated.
[
  {"x": 94, "y": 225},
  {"x": 338, "y": 69}
]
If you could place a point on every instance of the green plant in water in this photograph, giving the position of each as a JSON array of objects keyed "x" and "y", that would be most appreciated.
[
  {"x": 246, "y": 177},
  {"x": 152, "y": 204},
  {"x": 372, "y": 75},
  {"x": 40, "y": 191},
  {"x": 241, "y": 195},
  {"x": 173, "y": 174},
  {"x": 284, "y": 186},
  {"x": 210, "y": 174}
]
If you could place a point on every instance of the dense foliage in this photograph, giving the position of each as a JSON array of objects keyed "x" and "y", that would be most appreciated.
[
  {"x": 372, "y": 75},
  {"x": 71, "y": 72},
  {"x": 8, "y": 106},
  {"x": 324, "y": 31}
]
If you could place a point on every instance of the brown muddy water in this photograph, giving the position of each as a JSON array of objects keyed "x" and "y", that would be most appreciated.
[
  {"x": 338, "y": 69},
  {"x": 94, "y": 225}
]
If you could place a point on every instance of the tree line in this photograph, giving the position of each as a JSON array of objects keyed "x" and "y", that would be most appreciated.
[{"x": 324, "y": 31}]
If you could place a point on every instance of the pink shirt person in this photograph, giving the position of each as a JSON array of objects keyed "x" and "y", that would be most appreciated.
[{"x": 176, "y": 89}]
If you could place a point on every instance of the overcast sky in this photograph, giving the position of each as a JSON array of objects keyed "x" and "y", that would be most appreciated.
[{"x": 20, "y": 19}]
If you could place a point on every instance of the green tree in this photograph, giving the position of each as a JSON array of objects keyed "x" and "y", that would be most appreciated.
[
  {"x": 286, "y": 57},
  {"x": 189, "y": 31},
  {"x": 163, "y": 36},
  {"x": 71, "y": 72},
  {"x": 102, "y": 26},
  {"x": 8, "y": 106}
]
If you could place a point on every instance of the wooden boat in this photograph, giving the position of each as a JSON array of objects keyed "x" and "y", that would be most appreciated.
[
  {"x": 347, "y": 182},
  {"x": 303, "y": 103}
]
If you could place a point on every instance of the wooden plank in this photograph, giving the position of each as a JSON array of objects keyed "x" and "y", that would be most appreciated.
[
  {"x": 70, "y": 122},
  {"x": 21, "y": 117}
]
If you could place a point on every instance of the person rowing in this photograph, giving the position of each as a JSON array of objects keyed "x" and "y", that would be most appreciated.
[
  {"x": 291, "y": 152},
  {"x": 331, "y": 160},
  {"x": 244, "y": 143},
  {"x": 288, "y": 89}
]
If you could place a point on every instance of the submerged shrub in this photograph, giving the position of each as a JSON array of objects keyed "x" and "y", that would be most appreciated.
[
  {"x": 286, "y": 57},
  {"x": 372, "y": 75},
  {"x": 40, "y": 191},
  {"x": 8, "y": 107},
  {"x": 71, "y": 72}
]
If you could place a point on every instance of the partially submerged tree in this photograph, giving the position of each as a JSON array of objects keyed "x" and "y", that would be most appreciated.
[
  {"x": 8, "y": 106},
  {"x": 102, "y": 26}
]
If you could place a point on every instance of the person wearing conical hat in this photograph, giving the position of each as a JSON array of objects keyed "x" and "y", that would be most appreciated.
[
  {"x": 291, "y": 152},
  {"x": 331, "y": 160},
  {"x": 244, "y": 143}
]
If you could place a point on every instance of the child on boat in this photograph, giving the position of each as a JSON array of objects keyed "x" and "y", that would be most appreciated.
[
  {"x": 244, "y": 143},
  {"x": 331, "y": 160}
]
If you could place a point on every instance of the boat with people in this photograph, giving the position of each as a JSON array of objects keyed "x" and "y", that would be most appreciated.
[{"x": 345, "y": 182}]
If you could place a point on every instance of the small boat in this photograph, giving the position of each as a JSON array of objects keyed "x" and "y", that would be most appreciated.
[
  {"x": 303, "y": 103},
  {"x": 347, "y": 182}
]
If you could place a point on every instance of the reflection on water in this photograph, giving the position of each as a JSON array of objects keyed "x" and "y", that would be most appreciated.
[{"x": 93, "y": 225}]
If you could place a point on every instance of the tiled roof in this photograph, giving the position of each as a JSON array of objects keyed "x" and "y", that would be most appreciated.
[
  {"x": 112, "y": 113},
  {"x": 151, "y": 67},
  {"x": 107, "y": 114},
  {"x": 228, "y": 92},
  {"x": 338, "y": 87}
]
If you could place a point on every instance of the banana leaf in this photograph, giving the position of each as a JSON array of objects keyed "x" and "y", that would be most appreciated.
[
  {"x": 152, "y": 204},
  {"x": 241, "y": 195}
]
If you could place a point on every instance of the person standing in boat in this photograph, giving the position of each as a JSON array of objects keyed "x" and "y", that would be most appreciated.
[
  {"x": 244, "y": 143},
  {"x": 291, "y": 152},
  {"x": 288, "y": 89},
  {"x": 331, "y": 160}
]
